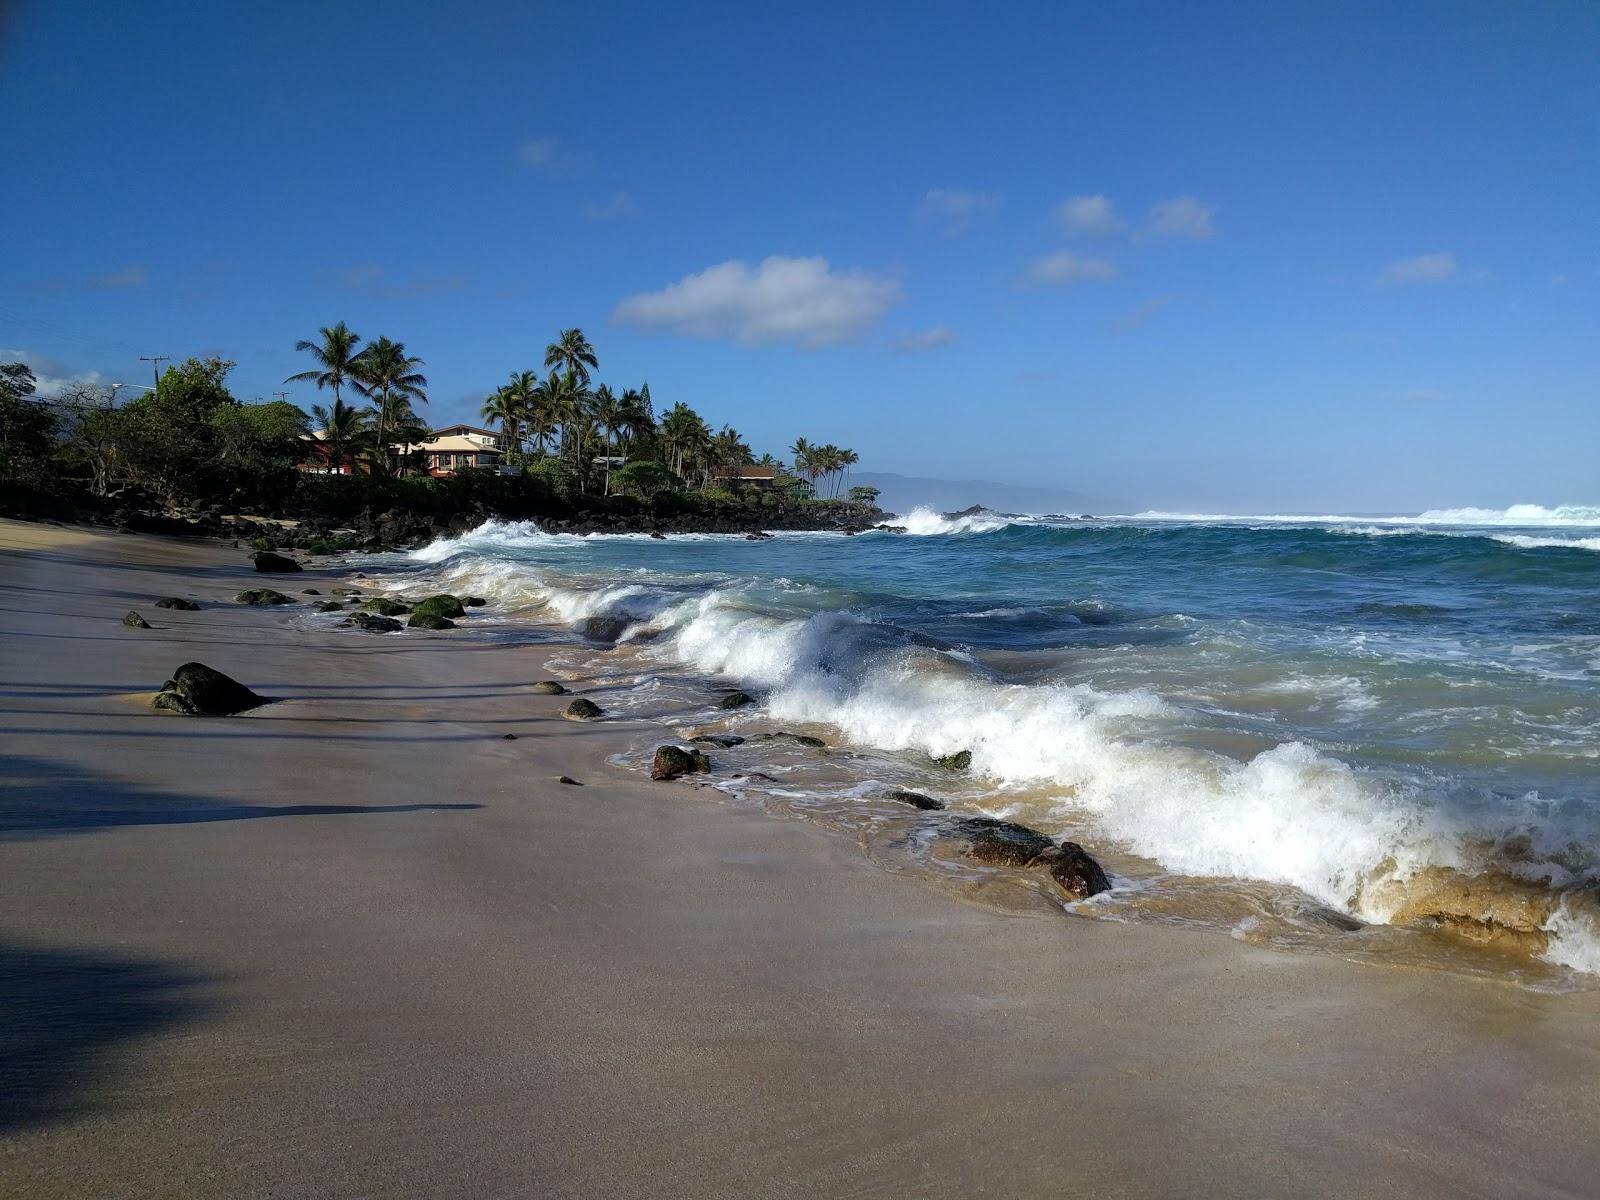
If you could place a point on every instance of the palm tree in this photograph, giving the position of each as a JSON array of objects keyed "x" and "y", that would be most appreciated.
[
  {"x": 637, "y": 416},
  {"x": 728, "y": 450},
  {"x": 684, "y": 436},
  {"x": 805, "y": 460},
  {"x": 344, "y": 431},
  {"x": 385, "y": 373},
  {"x": 335, "y": 357},
  {"x": 611, "y": 415},
  {"x": 572, "y": 352},
  {"x": 501, "y": 408}
]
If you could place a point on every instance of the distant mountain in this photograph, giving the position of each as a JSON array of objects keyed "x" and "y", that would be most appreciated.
[{"x": 902, "y": 493}]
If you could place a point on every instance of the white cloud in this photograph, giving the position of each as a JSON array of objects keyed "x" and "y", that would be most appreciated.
[
  {"x": 1426, "y": 268},
  {"x": 620, "y": 204},
  {"x": 540, "y": 153},
  {"x": 779, "y": 299},
  {"x": 50, "y": 378},
  {"x": 956, "y": 207},
  {"x": 927, "y": 339},
  {"x": 1091, "y": 216},
  {"x": 1067, "y": 267},
  {"x": 1181, "y": 217}
]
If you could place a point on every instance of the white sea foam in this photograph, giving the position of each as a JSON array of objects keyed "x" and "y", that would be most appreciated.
[
  {"x": 924, "y": 522},
  {"x": 1291, "y": 815},
  {"x": 1523, "y": 541}
]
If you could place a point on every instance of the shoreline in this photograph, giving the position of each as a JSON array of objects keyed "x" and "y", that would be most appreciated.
[{"x": 295, "y": 957}]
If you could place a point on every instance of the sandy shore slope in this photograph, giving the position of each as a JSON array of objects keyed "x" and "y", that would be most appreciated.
[{"x": 355, "y": 943}]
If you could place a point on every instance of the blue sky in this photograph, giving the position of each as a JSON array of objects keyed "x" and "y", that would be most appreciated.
[{"x": 1236, "y": 257}]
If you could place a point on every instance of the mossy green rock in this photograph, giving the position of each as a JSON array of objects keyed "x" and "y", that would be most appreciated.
[
  {"x": 582, "y": 710},
  {"x": 329, "y": 606},
  {"x": 671, "y": 762},
  {"x": 262, "y": 596},
  {"x": 915, "y": 799},
  {"x": 442, "y": 605},
  {"x": 385, "y": 607},
  {"x": 735, "y": 700},
  {"x": 1004, "y": 843},
  {"x": 134, "y": 621},
  {"x": 428, "y": 620},
  {"x": 549, "y": 687},
  {"x": 178, "y": 602},
  {"x": 959, "y": 761}
]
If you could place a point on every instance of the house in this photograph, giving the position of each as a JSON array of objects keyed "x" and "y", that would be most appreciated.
[
  {"x": 316, "y": 461},
  {"x": 452, "y": 448},
  {"x": 749, "y": 475}
]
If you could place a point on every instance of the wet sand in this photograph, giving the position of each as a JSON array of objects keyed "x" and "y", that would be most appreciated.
[{"x": 357, "y": 943}]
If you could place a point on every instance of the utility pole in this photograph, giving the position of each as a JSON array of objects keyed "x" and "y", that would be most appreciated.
[
  {"x": 284, "y": 396},
  {"x": 155, "y": 362}
]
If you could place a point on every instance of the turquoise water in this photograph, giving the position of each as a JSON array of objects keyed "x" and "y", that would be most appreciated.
[{"x": 1322, "y": 703}]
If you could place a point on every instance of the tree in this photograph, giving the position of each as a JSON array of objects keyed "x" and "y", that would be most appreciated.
[
  {"x": 684, "y": 437},
  {"x": 335, "y": 357},
  {"x": 572, "y": 352},
  {"x": 93, "y": 433},
  {"x": 611, "y": 415},
  {"x": 168, "y": 439},
  {"x": 27, "y": 427},
  {"x": 385, "y": 373},
  {"x": 258, "y": 446},
  {"x": 501, "y": 408},
  {"x": 643, "y": 479},
  {"x": 345, "y": 435},
  {"x": 867, "y": 497}
]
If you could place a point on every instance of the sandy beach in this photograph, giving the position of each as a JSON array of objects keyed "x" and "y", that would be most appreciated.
[{"x": 359, "y": 943}]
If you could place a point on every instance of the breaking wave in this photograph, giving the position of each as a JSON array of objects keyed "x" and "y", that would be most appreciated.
[
  {"x": 924, "y": 522},
  {"x": 1517, "y": 516}
]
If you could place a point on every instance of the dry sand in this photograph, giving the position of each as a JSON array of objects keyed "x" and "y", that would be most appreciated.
[{"x": 355, "y": 943}]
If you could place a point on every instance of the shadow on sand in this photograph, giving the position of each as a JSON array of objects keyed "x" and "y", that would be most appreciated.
[
  {"x": 65, "y": 1011},
  {"x": 42, "y": 797}
]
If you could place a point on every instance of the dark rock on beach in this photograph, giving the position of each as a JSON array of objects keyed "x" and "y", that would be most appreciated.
[
  {"x": 442, "y": 605},
  {"x": 345, "y": 591},
  {"x": 568, "y": 780},
  {"x": 474, "y": 601},
  {"x": 1077, "y": 874},
  {"x": 671, "y": 762},
  {"x": 372, "y": 623},
  {"x": 385, "y": 607},
  {"x": 196, "y": 690},
  {"x": 799, "y": 739},
  {"x": 582, "y": 710},
  {"x": 329, "y": 606},
  {"x": 959, "y": 761},
  {"x": 268, "y": 562},
  {"x": 549, "y": 687},
  {"x": 259, "y": 596},
  {"x": 310, "y": 592},
  {"x": 178, "y": 602},
  {"x": 915, "y": 799},
  {"x": 735, "y": 700},
  {"x": 726, "y": 741},
  {"x": 1003, "y": 843},
  {"x": 134, "y": 621},
  {"x": 428, "y": 620}
]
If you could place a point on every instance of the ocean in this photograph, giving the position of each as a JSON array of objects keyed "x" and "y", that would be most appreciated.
[{"x": 1377, "y": 736}]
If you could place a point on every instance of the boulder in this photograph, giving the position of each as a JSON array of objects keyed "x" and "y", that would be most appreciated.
[
  {"x": 915, "y": 799},
  {"x": 443, "y": 605},
  {"x": 800, "y": 739},
  {"x": 428, "y": 620},
  {"x": 178, "y": 602},
  {"x": 372, "y": 623},
  {"x": 474, "y": 601},
  {"x": 259, "y": 596},
  {"x": 275, "y": 564},
  {"x": 345, "y": 591},
  {"x": 196, "y": 690},
  {"x": 1077, "y": 874},
  {"x": 568, "y": 780},
  {"x": 582, "y": 710},
  {"x": 310, "y": 592},
  {"x": 671, "y": 762},
  {"x": 726, "y": 741},
  {"x": 658, "y": 535},
  {"x": 735, "y": 700},
  {"x": 385, "y": 607},
  {"x": 549, "y": 687},
  {"x": 959, "y": 761},
  {"x": 134, "y": 621},
  {"x": 1003, "y": 843},
  {"x": 329, "y": 606}
]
